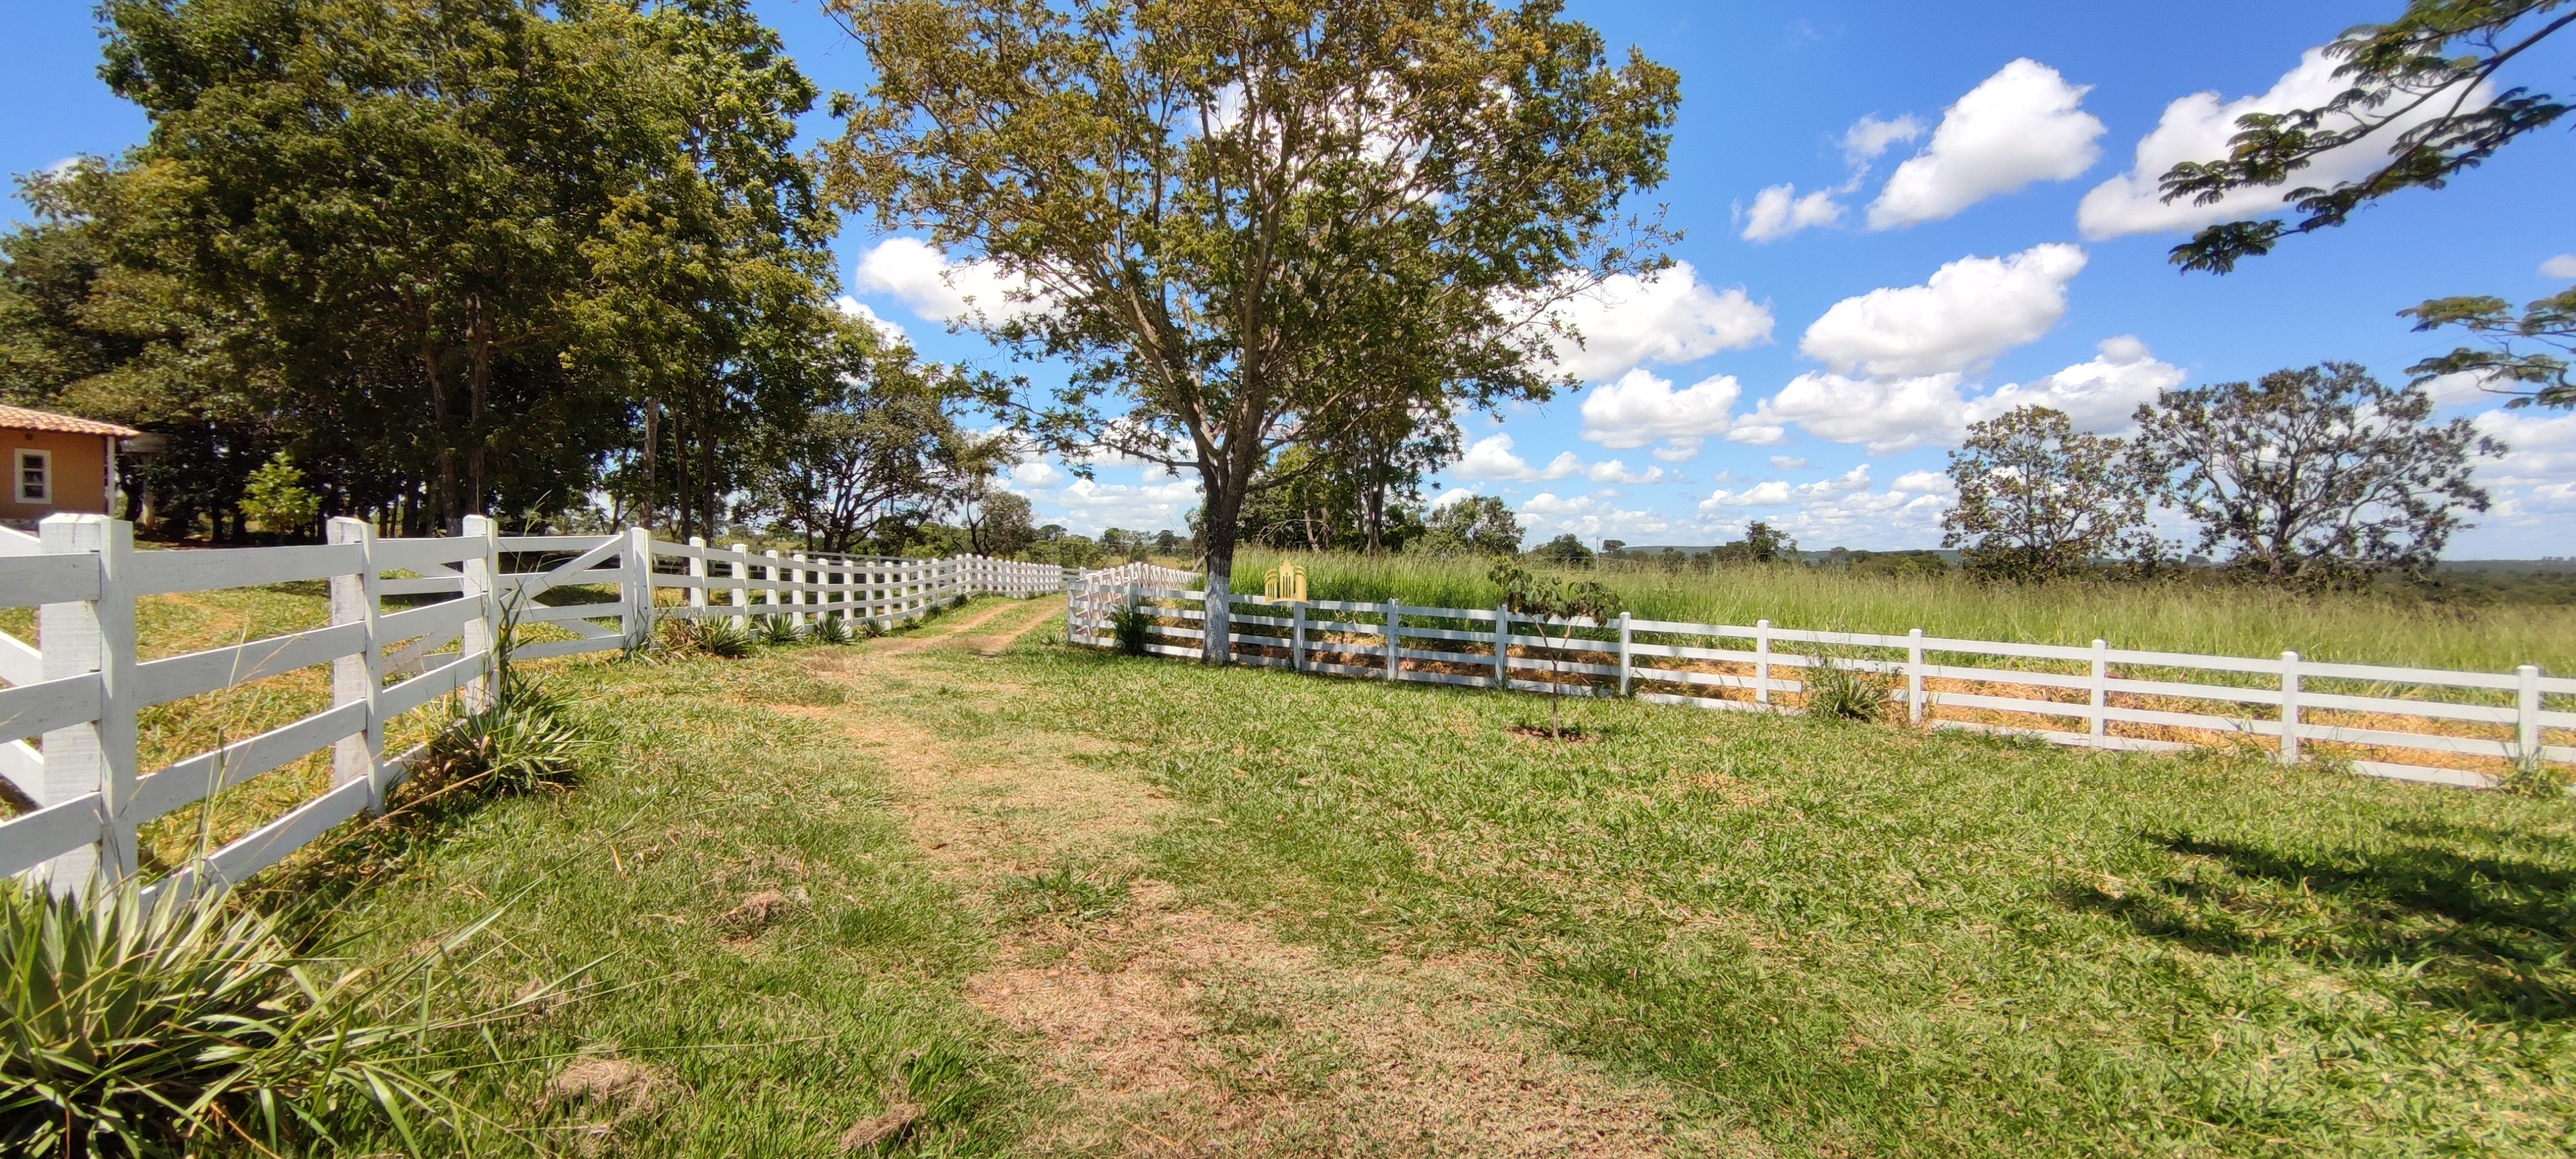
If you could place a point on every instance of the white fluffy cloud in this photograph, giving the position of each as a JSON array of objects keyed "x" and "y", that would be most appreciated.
[
  {"x": 1779, "y": 212},
  {"x": 2021, "y": 125},
  {"x": 1592, "y": 516},
  {"x": 936, "y": 288},
  {"x": 2197, "y": 128},
  {"x": 1087, "y": 505},
  {"x": 1780, "y": 492},
  {"x": 1868, "y": 137},
  {"x": 1788, "y": 463},
  {"x": 1889, "y": 414},
  {"x": 2562, "y": 266},
  {"x": 1969, "y": 311},
  {"x": 1641, "y": 408},
  {"x": 1670, "y": 316},
  {"x": 2099, "y": 395},
  {"x": 1492, "y": 459},
  {"x": 1924, "y": 483}
]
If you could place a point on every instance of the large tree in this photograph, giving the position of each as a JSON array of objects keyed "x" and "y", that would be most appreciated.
[
  {"x": 1216, "y": 210},
  {"x": 2039, "y": 499},
  {"x": 2314, "y": 474}
]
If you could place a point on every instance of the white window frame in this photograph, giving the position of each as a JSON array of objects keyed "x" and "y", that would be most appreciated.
[{"x": 18, "y": 476}]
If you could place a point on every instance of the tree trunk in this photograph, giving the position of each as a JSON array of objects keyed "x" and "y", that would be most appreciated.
[
  {"x": 449, "y": 516},
  {"x": 1223, "y": 509}
]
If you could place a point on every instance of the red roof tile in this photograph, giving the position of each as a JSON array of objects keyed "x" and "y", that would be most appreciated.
[{"x": 19, "y": 418}]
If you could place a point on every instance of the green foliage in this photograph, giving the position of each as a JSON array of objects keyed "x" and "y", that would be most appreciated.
[
  {"x": 831, "y": 630},
  {"x": 2549, "y": 323},
  {"x": 1476, "y": 525},
  {"x": 1451, "y": 165},
  {"x": 2040, "y": 500},
  {"x": 277, "y": 498},
  {"x": 192, "y": 1025},
  {"x": 1563, "y": 551},
  {"x": 2319, "y": 474},
  {"x": 778, "y": 631},
  {"x": 716, "y": 636},
  {"x": 1762, "y": 543},
  {"x": 1838, "y": 693},
  {"x": 528, "y": 737},
  {"x": 1541, "y": 598},
  {"x": 2406, "y": 85},
  {"x": 1132, "y": 627}
]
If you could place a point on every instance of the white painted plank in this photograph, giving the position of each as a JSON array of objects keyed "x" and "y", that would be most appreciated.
[
  {"x": 199, "y": 776},
  {"x": 31, "y": 839},
  {"x": 164, "y": 572},
  {"x": 32, "y": 709},
  {"x": 29, "y": 580},
  {"x": 198, "y": 673}
]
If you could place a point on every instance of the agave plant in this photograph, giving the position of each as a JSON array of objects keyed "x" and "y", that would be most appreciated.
[
  {"x": 137, "y": 1027},
  {"x": 713, "y": 637},
  {"x": 780, "y": 630},
  {"x": 830, "y": 630},
  {"x": 1846, "y": 693},
  {"x": 1131, "y": 627}
]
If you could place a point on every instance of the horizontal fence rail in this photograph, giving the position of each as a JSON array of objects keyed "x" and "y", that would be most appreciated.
[
  {"x": 78, "y": 689},
  {"x": 2455, "y": 728}
]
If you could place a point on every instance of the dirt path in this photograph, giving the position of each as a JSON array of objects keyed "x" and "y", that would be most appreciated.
[{"x": 1173, "y": 1029}]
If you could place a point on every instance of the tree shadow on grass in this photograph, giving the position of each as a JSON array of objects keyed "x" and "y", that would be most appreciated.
[{"x": 2487, "y": 935}]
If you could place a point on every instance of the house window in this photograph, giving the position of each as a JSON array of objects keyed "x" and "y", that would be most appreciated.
[{"x": 36, "y": 477}]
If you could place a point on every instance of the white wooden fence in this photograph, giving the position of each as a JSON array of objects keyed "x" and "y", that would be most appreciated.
[
  {"x": 2457, "y": 728},
  {"x": 79, "y": 687}
]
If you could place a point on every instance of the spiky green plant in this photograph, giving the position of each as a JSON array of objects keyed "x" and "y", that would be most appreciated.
[
  {"x": 1131, "y": 626},
  {"x": 1846, "y": 693},
  {"x": 779, "y": 630},
  {"x": 830, "y": 630},
  {"x": 147, "y": 1028},
  {"x": 717, "y": 637}
]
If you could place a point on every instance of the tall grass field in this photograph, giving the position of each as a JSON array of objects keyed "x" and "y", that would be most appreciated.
[{"x": 2188, "y": 614}]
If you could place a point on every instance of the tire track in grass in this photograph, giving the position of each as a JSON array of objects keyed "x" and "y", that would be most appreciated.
[{"x": 1167, "y": 1028}]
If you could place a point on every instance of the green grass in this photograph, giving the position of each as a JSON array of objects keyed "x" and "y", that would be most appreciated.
[
  {"x": 771, "y": 1027},
  {"x": 1856, "y": 939},
  {"x": 2188, "y": 615},
  {"x": 1844, "y": 938}
]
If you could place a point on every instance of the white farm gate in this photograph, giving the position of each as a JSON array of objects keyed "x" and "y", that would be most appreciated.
[{"x": 79, "y": 687}]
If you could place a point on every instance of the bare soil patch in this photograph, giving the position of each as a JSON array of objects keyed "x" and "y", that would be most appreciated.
[{"x": 1172, "y": 1029}]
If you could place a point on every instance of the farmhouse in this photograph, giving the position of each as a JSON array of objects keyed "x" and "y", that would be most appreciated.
[{"x": 57, "y": 464}]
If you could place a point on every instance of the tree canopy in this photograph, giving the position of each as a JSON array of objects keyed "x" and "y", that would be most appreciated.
[
  {"x": 2420, "y": 89},
  {"x": 2039, "y": 499},
  {"x": 1246, "y": 228}
]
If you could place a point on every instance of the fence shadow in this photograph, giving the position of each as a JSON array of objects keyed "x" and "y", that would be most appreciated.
[{"x": 2487, "y": 935}]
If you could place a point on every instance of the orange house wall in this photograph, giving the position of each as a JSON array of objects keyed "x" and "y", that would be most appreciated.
[{"x": 80, "y": 473}]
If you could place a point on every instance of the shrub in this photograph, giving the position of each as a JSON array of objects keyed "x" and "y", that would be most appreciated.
[
  {"x": 526, "y": 737},
  {"x": 129, "y": 1028},
  {"x": 1846, "y": 693},
  {"x": 1130, "y": 627},
  {"x": 830, "y": 630},
  {"x": 709, "y": 637},
  {"x": 779, "y": 630},
  {"x": 872, "y": 629},
  {"x": 2532, "y": 777}
]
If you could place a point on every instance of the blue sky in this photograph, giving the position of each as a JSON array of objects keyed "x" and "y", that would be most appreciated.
[{"x": 1827, "y": 340}]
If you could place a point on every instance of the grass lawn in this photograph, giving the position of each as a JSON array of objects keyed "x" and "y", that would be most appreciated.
[{"x": 1737, "y": 934}]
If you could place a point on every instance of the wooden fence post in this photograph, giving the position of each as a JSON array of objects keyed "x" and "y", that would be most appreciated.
[
  {"x": 2101, "y": 720},
  {"x": 481, "y": 583},
  {"x": 1394, "y": 639},
  {"x": 741, "y": 587},
  {"x": 1503, "y": 647},
  {"x": 2289, "y": 708},
  {"x": 797, "y": 575},
  {"x": 769, "y": 595},
  {"x": 96, "y": 755},
  {"x": 1761, "y": 661},
  {"x": 1072, "y": 613},
  {"x": 1623, "y": 653},
  {"x": 2526, "y": 712},
  {"x": 1914, "y": 677},
  {"x": 358, "y": 678},
  {"x": 1297, "y": 638}
]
